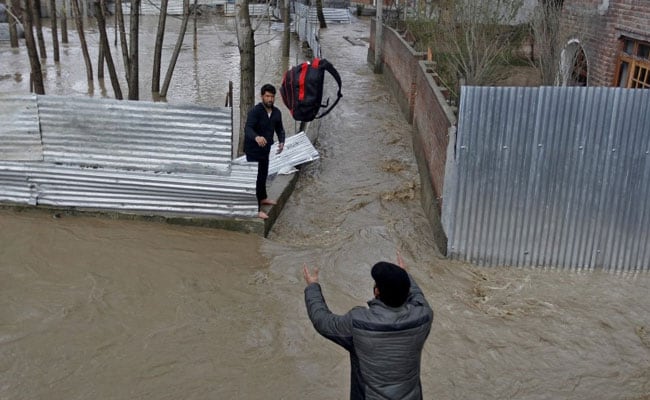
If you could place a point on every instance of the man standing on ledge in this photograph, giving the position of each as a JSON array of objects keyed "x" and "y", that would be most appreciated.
[
  {"x": 262, "y": 122},
  {"x": 384, "y": 340}
]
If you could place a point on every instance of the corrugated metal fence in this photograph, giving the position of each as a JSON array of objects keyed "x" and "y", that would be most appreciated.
[
  {"x": 550, "y": 176},
  {"x": 127, "y": 156}
]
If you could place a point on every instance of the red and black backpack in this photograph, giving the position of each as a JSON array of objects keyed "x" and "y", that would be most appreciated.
[{"x": 302, "y": 89}]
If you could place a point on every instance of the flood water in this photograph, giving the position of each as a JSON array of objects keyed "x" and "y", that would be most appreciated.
[{"x": 93, "y": 308}]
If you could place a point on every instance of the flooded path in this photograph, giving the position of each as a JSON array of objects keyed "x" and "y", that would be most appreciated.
[{"x": 97, "y": 308}]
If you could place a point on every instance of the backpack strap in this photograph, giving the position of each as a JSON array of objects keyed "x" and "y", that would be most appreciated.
[{"x": 327, "y": 66}]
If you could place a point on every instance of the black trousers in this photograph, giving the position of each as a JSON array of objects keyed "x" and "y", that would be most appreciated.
[{"x": 260, "y": 183}]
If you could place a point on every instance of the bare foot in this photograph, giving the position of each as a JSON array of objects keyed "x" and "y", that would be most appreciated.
[
  {"x": 269, "y": 202},
  {"x": 262, "y": 215}
]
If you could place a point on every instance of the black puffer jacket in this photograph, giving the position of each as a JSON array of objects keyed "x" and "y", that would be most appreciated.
[{"x": 385, "y": 343}]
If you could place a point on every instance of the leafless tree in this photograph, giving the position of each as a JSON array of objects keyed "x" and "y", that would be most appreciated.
[
  {"x": 64, "y": 23},
  {"x": 119, "y": 18},
  {"x": 134, "y": 76},
  {"x": 177, "y": 48},
  {"x": 55, "y": 34},
  {"x": 157, "y": 53},
  {"x": 470, "y": 40},
  {"x": 104, "y": 45},
  {"x": 286, "y": 33},
  {"x": 36, "y": 76},
  {"x": 13, "y": 32},
  {"x": 547, "y": 41},
  {"x": 82, "y": 39},
  {"x": 36, "y": 15},
  {"x": 320, "y": 14},
  {"x": 246, "y": 44}
]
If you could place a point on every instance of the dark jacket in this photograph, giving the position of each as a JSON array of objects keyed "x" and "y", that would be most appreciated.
[
  {"x": 258, "y": 123},
  {"x": 385, "y": 343}
]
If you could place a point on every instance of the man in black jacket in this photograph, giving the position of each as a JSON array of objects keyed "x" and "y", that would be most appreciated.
[
  {"x": 385, "y": 340},
  {"x": 262, "y": 122}
]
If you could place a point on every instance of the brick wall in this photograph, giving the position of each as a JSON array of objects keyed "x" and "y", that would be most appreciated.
[
  {"x": 400, "y": 63},
  {"x": 410, "y": 80},
  {"x": 599, "y": 29}
]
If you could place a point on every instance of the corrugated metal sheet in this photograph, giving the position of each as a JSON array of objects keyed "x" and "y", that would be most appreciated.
[
  {"x": 131, "y": 191},
  {"x": 254, "y": 10},
  {"x": 297, "y": 150},
  {"x": 135, "y": 134},
  {"x": 125, "y": 156},
  {"x": 174, "y": 7},
  {"x": 20, "y": 135},
  {"x": 550, "y": 176},
  {"x": 341, "y": 15}
]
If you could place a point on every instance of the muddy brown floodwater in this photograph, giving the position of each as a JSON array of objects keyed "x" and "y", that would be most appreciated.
[{"x": 94, "y": 308}]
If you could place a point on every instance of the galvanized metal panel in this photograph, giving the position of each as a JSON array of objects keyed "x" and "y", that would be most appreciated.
[
  {"x": 130, "y": 191},
  {"x": 135, "y": 134},
  {"x": 550, "y": 176},
  {"x": 298, "y": 150},
  {"x": 136, "y": 157},
  {"x": 20, "y": 136}
]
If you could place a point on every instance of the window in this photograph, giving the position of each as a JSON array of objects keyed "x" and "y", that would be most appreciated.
[{"x": 633, "y": 69}]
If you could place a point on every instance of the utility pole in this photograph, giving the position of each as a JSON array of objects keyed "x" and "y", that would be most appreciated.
[{"x": 379, "y": 25}]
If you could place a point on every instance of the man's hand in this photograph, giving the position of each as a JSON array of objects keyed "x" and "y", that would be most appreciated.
[
  {"x": 280, "y": 148},
  {"x": 261, "y": 141},
  {"x": 309, "y": 277}
]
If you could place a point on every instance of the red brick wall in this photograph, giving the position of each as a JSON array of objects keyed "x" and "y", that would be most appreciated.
[
  {"x": 400, "y": 63},
  {"x": 599, "y": 31},
  {"x": 421, "y": 101}
]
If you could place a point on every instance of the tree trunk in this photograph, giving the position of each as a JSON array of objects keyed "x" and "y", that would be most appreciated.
[
  {"x": 82, "y": 39},
  {"x": 195, "y": 44},
  {"x": 246, "y": 44},
  {"x": 36, "y": 14},
  {"x": 134, "y": 77},
  {"x": 64, "y": 24},
  {"x": 55, "y": 33},
  {"x": 321, "y": 16},
  {"x": 13, "y": 32},
  {"x": 36, "y": 76},
  {"x": 177, "y": 48},
  {"x": 286, "y": 33},
  {"x": 103, "y": 40},
  {"x": 119, "y": 17},
  {"x": 100, "y": 61},
  {"x": 157, "y": 53}
]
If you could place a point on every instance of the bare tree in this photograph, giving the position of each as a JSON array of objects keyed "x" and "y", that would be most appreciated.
[
  {"x": 55, "y": 34},
  {"x": 36, "y": 15},
  {"x": 470, "y": 39},
  {"x": 13, "y": 31},
  {"x": 82, "y": 39},
  {"x": 103, "y": 40},
  {"x": 134, "y": 77},
  {"x": 547, "y": 41},
  {"x": 36, "y": 76},
  {"x": 177, "y": 48},
  {"x": 157, "y": 53},
  {"x": 119, "y": 19},
  {"x": 286, "y": 33},
  {"x": 246, "y": 44},
  {"x": 64, "y": 23},
  {"x": 320, "y": 14}
]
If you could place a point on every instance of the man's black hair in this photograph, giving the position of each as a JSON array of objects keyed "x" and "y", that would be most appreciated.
[{"x": 267, "y": 88}]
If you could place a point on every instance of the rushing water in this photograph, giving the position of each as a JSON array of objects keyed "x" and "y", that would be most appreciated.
[{"x": 94, "y": 308}]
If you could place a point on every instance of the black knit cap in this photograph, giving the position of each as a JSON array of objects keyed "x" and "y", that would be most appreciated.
[{"x": 393, "y": 283}]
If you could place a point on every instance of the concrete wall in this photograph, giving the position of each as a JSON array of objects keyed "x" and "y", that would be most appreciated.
[{"x": 411, "y": 80}]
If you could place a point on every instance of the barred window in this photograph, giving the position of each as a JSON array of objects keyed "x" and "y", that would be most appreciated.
[{"x": 633, "y": 64}]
